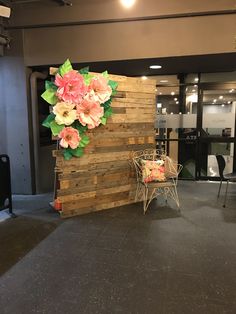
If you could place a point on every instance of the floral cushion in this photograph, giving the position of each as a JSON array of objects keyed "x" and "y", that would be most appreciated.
[{"x": 153, "y": 170}]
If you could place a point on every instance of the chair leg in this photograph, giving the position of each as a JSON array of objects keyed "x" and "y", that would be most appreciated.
[
  {"x": 145, "y": 200},
  {"x": 219, "y": 189},
  {"x": 226, "y": 191},
  {"x": 137, "y": 192}
]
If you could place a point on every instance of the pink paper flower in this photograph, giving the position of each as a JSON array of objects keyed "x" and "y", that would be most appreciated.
[
  {"x": 90, "y": 113},
  {"x": 99, "y": 90},
  {"x": 69, "y": 137},
  {"x": 71, "y": 87}
]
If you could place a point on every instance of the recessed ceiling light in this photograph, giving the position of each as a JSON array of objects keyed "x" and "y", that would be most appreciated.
[
  {"x": 177, "y": 102},
  {"x": 155, "y": 66},
  {"x": 195, "y": 85},
  {"x": 127, "y": 3},
  {"x": 172, "y": 93},
  {"x": 222, "y": 105},
  {"x": 144, "y": 77},
  {"x": 229, "y": 102},
  {"x": 160, "y": 93},
  {"x": 196, "y": 79},
  {"x": 231, "y": 91},
  {"x": 214, "y": 100},
  {"x": 220, "y": 97},
  {"x": 175, "y": 99},
  {"x": 164, "y": 81}
]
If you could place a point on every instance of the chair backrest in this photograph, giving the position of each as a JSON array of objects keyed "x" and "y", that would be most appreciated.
[
  {"x": 147, "y": 154},
  {"x": 172, "y": 168},
  {"x": 221, "y": 165}
]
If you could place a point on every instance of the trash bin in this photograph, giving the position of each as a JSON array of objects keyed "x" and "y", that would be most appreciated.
[{"x": 5, "y": 184}]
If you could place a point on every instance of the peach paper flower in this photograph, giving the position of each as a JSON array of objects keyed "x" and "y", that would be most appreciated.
[
  {"x": 99, "y": 90},
  {"x": 69, "y": 137},
  {"x": 65, "y": 113},
  {"x": 71, "y": 87},
  {"x": 89, "y": 113}
]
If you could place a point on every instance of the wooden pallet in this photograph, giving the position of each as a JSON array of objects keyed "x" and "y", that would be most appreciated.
[{"x": 103, "y": 178}]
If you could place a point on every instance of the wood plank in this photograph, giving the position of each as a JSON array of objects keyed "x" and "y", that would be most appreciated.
[{"x": 104, "y": 177}]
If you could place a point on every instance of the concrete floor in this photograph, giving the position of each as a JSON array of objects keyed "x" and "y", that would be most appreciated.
[{"x": 119, "y": 261}]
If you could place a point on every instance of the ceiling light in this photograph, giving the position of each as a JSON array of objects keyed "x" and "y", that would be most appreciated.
[
  {"x": 196, "y": 79},
  {"x": 177, "y": 102},
  {"x": 5, "y": 11},
  {"x": 220, "y": 97},
  {"x": 231, "y": 91},
  {"x": 160, "y": 93},
  {"x": 127, "y": 3},
  {"x": 194, "y": 90},
  {"x": 229, "y": 102},
  {"x": 144, "y": 77},
  {"x": 175, "y": 99},
  {"x": 164, "y": 81},
  {"x": 214, "y": 100},
  {"x": 195, "y": 85},
  {"x": 155, "y": 66},
  {"x": 222, "y": 105},
  {"x": 172, "y": 93}
]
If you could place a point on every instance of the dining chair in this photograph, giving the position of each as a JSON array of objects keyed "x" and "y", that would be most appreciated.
[
  {"x": 229, "y": 177},
  {"x": 161, "y": 179}
]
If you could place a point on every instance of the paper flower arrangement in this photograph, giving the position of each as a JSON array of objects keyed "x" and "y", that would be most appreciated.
[{"x": 80, "y": 101}]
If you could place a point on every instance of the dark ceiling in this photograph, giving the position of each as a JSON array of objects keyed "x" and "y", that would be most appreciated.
[{"x": 172, "y": 65}]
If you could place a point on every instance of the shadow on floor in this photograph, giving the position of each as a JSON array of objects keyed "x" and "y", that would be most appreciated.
[{"x": 20, "y": 235}]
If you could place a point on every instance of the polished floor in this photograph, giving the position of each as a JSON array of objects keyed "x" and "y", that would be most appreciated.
[{"x": 120, "y": 261}]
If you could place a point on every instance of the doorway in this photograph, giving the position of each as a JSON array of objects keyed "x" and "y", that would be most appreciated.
[
  {"x": 215, "y": 129},
  {"x": 197, "y": 124}
]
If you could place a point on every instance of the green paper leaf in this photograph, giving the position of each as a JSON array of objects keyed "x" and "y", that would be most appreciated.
[
  {"x": 56, "y": 128},
  {"x": 82, "y": 129},
  {"x": 50, "y": 85},
  {"x": 65, "y": 67},
  {"x": 50, "y": 96},
  {"x": 113, "y": 84},
  {"x": 108, "y": 112},
  {"x": 49, "y": 119},
  {"x": 103, "y": 120},
  {"x": 84, "y": 141},
  {"x": 87, "y": 78},
  {"x": 107, "y": 104},
  {"x": 84, "y": 70},
  {"x": 67, "y": 154},
  {"x": 105, "y": 74},
  {"x": 77, "y": 152}
]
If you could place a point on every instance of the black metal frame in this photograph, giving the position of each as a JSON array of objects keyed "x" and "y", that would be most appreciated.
[{"x": 201, "y": 140}]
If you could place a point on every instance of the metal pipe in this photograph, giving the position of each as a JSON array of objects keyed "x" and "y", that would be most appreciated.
[{"x": 35, "y": 123}]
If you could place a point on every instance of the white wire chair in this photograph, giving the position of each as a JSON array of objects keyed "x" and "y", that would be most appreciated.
[{"x": 147, "y": 191}]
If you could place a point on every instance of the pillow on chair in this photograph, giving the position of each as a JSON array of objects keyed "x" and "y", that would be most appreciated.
[{"x": 153, "y": 170}]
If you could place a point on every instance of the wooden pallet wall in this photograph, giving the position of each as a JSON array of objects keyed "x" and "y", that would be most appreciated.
[{"x": 103, "y": 177}]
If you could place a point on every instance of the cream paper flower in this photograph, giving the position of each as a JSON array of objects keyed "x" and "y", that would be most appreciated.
[{"x": 65, "y": 113}]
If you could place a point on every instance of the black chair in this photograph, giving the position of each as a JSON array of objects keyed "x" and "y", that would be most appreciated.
[{"x": 226, "y": 177}]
